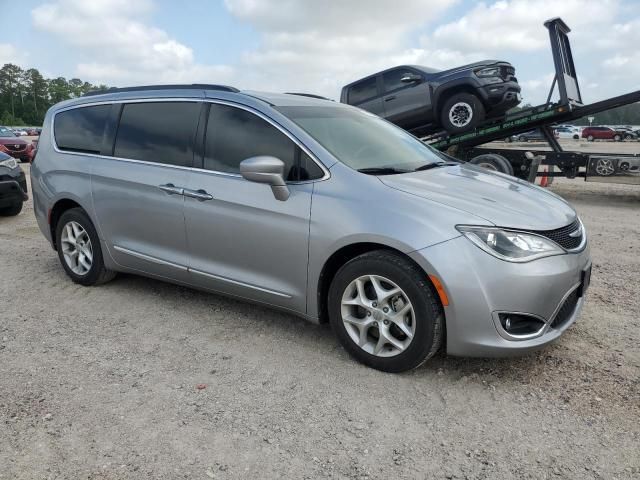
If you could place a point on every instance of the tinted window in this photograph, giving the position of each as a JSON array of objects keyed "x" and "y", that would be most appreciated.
[
  {"x": 363, "y": 90},
  {"x": 392, "y": 80},
  {"x": 159, "y": 132},
  {"x": 81, "y": 129},
  {"x": 233, "y": 135}
]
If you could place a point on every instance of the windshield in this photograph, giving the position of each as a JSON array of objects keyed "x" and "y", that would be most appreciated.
[
  {"x": 361, "y": 140},
  {"x": 5, "y": 132}
]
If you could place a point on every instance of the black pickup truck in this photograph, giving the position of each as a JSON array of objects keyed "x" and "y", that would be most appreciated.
[{"x": 412, "y": 96}]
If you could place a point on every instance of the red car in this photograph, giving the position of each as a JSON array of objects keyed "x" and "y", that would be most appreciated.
[
  {"x": 14, "y": 146},
  {"x": 601, "y": 133}
]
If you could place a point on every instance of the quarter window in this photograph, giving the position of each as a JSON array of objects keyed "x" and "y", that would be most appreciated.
[
  {"x": 234, "y": 134},
  {"x": 363, "y": 91},
  {"x": 161, "y": 132},
  {"x": 81, "y": 129}
]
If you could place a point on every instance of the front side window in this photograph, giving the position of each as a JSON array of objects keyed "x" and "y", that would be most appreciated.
[
  {"x": 363, "y": 91},
  {"x": 81, "y": 129},
  {"x": 160, "y": 132},
  {"x": 392, "y": 80},
  {"x": 234, "y": 134}
]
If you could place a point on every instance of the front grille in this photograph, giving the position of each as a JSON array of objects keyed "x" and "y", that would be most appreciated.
[
  {"x": 562, "y": 235},
  {"x": 15, "y": 148},
  {"x": 566, "y": 310}
]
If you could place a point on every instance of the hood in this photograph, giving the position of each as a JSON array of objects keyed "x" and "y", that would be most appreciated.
[
  {"x": 502, "y": 200},
  {"x": 12, "y": 141},
  {"x": 472, "y": 66}
]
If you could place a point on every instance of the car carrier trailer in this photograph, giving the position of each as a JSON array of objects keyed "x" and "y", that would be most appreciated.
[{"x": 599, "y": 167}]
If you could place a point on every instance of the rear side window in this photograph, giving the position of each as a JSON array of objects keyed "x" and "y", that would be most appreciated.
[
  {"x": 363, "y": 91},
  {"x": 234, "y": 134},
  {"x": 160, "y": 132},
  {"x": 81, "y": 129},
  {"x": 392, "y": 81}
]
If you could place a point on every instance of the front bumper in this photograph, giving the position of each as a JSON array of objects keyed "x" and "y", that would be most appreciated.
[
  {"x": 500, "y": 97},
  {"x": 13, "y": 189},
  {"x": 480, "y": 286}
]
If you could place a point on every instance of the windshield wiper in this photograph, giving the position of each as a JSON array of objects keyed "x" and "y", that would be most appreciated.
[
  {"x": 381, "y": 170},
  {"x": 429, "y": 166}
]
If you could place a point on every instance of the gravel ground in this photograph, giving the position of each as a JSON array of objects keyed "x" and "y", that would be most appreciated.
[{"x": 142, "y": 379}]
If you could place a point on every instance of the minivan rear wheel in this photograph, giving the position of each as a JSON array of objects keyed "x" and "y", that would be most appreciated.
[
  {"x": 385, "y": 312},
  {"x": 79, "y": 249}
]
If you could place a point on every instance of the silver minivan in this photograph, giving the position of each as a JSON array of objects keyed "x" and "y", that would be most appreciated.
[{"x": 314, "y": 207}]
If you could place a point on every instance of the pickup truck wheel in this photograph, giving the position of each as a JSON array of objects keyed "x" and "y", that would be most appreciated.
[
  {"x": 11, "y": 211},
  {"x": 461, "y": 112},
  {"x": 493, "y": 161}
]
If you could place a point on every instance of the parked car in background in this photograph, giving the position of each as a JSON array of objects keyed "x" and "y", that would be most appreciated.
[
  {"x": 566, "y": 132},
  {"x": 314, "y": 207},
  {"x": 601, "y": 133},
  {"x": 627, "y": 133},
  {"x": 530, "y": 136},
  {"x": 13, "y": 145},
  {"x": 458, "y": 99},
  {"x": 33, "y": 132},
  {"x": 13, "y": 186},
  {"x": 20, "y": 132}
]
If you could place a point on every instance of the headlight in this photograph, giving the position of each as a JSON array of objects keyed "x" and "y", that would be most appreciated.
[
  {"x": 488, "y": 72},
  {"x": 509, "y": 245},
  {"x": 9, "y": 163}
]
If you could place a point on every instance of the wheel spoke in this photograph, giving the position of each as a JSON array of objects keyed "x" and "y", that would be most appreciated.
[
  {"x": 76, "y": 248},
  {"x": 381, "y": 293}
]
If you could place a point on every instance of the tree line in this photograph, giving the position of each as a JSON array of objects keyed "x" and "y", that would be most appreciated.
[{"x": 25, "y": 95}]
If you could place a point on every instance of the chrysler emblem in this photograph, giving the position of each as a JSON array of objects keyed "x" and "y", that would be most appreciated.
[{"x": 576, "y": 233}]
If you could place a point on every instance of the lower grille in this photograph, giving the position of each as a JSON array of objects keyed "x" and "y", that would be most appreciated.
[{"x": 566, "y": 310}]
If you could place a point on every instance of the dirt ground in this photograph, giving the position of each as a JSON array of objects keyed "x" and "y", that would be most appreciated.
[{"x": 102, "y": 383}]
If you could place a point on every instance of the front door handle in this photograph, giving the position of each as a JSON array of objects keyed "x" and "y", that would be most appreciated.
[
  {"x": 388, "y": 99},
  {"x": 171, "y": 189},
  {"x": 200, "y": 195}
]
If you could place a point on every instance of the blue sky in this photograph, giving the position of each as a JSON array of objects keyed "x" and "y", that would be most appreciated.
[{"x": 316, "y": 46}]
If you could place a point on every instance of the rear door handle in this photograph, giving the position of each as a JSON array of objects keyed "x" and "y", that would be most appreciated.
[
  {"x": 388, "y": 99},
  {"x": 200, "y": 195},
  {"x": 171, "y": 189}
]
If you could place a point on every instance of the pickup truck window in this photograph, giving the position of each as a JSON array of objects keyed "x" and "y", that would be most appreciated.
[
  {"x": 363, "y": 91},
  {"x": 392, "y": 81}
]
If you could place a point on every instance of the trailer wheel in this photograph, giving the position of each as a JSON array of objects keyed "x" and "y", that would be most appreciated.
[
  {"x": 461, "y": 112},
  {"x": 493, "y": 161}
]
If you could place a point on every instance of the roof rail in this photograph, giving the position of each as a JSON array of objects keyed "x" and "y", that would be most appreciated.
[
  {"x": 203, "y": 86},
  {"x": 310, "y": 95}
]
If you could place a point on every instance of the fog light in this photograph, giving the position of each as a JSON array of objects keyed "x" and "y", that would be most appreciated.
[{"x": 518, "y": 324}]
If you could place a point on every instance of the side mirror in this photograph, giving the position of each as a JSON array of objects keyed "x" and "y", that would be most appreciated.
[
  {"x": 410, "y": 78},
  {"x": 269, "y": 170}
]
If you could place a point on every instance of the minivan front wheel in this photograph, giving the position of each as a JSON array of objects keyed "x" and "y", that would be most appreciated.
[
  {"x": 79, "y": 249},
  {"x": 385, "y": 312}
]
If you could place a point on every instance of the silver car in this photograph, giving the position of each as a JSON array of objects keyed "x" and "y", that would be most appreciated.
[{"x": 313, "y": 207}]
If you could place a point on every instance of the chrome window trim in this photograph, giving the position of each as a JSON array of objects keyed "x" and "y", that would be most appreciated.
[{"x": 325, "y": 170}]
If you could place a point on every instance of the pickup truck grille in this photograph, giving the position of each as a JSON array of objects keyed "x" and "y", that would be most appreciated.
[{"x": 508, "y": 73}]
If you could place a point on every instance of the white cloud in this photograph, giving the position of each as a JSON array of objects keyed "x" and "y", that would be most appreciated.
[
  {"x": 10, "y": 54},
  {"x": 122, "y": 49}
]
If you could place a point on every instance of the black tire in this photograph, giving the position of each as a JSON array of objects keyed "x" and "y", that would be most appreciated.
[
  {"x": 590, "y": 138},
  {"x": 576, "y": 137},
  {"x": 429, "y": 316},
  {"x": 97, "y": 274},
  {"x": 12, "y": 210},
  {"x": 493, "y": 161},
  {"x": 475, "y": 105}
]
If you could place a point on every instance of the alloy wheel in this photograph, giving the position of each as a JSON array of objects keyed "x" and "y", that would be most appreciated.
[
  {"x": 378, "y": 316},
  {"x": 460, "y": 114},
  {"x": 76, "y": 248}
]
